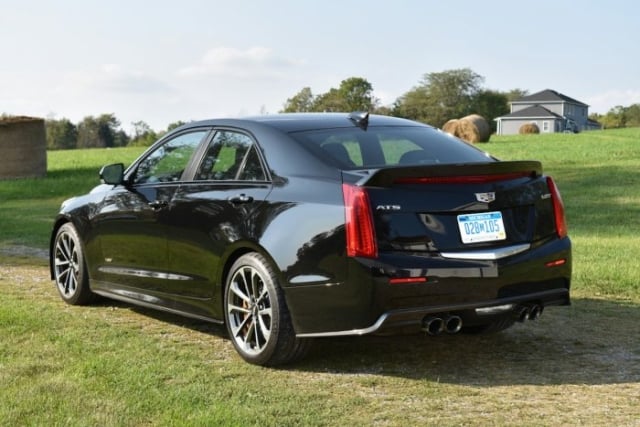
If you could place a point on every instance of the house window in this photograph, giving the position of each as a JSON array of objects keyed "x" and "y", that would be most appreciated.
[{"x": 545, "y": 126}]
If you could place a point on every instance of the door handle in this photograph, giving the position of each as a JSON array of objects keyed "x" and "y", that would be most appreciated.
[
  {"x": 158, "y": 204},
  {"x": 240, "y": 198}
]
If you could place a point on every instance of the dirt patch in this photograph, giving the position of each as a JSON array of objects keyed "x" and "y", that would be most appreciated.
[{"x": 21, "y": 251}]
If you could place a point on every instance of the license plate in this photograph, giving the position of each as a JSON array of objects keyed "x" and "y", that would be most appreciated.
[{"x": 481, "y": 227}]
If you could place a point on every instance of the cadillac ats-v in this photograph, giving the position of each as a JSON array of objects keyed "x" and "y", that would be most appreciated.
[{"x": 292, "y": 227}]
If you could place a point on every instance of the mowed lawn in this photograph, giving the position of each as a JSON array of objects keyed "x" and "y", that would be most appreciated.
[{"x": 113, "y": 364}]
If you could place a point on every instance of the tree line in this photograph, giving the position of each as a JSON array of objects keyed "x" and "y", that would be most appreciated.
[
  {"x": 619, "y": 117},
  {"x": 437, "y": 98},
  {"x": 99, "y": 132}
]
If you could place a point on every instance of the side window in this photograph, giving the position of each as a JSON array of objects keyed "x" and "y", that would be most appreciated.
[
  {"x": 252, "y": 170},
  {"x": 231, "y": 156},
  {"x": 168, "y": 161}
]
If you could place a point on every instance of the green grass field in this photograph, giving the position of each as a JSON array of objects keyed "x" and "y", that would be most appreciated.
[{"x": 113, "y": 364}]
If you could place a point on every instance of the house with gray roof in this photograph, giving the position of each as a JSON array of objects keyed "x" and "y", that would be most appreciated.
[{"x": 551, "y": 111}]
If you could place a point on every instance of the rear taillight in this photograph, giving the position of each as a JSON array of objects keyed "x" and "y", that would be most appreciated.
[
  {"x": 361, "y": 239},
  {"x": 558, "y": 209}
]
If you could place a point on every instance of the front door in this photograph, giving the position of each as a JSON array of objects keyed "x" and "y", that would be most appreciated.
[{"x": 132, "y": 220}]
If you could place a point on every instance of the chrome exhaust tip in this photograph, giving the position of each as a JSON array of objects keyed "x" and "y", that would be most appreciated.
[
  {"x": 433, "y": 325},
  {"x": 522, "y": 313},
  {"x": 535, "y": 312},
  {"x": 453, "y": 324}
]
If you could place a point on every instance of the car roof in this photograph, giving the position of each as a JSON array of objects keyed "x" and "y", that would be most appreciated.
[{"x": 295, "y": 122}]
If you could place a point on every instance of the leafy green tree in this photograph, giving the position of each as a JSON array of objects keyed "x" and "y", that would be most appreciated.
[
  {"x": 490, "y": 104},
  {"x": 61, "y": 134},
  {"x": 121, "y": 139},
  {"x": 143, "y": 135},
  {"x": 175, "y": 125},
  {"x": 383, "y": 110},
  {"x": 101, "y": 131},
  {"x": 330, "y": 101},
  {"x": 301, "y": 102},
  {"x": 353, "y": 94},
  {"x": 632, "y": 116},
  {"x": 356, "y": 94},
  {"x": 440, "y": 97},
  {"x": 515, "y": 94},
  {"x": 415, "y": 105},
  {"x": 615, "y": 118},
  {"x": 619, "y": 117}
]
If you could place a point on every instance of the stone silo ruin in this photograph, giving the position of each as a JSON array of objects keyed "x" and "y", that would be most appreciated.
[{"x": 23, "y": 147}]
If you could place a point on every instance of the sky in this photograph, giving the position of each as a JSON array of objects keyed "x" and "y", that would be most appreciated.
[{"x": 163, "y": 61}]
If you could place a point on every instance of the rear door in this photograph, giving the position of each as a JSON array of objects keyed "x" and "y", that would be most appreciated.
[{"x": 215, "y": 209}]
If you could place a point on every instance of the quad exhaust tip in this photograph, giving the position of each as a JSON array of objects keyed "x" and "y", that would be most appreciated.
[
  {"x": 452, "y": 324},
  {"x": 528, "y": 312}
]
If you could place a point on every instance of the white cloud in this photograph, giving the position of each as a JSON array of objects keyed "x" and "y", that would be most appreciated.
[
  {"x": 114, "y": 78},
  {"x": 603, "y": 102},
  {"x": 130, "y": 94},
  {"x": 232, "y": 62}
]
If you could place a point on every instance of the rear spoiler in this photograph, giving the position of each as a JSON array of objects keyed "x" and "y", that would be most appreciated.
[{"x": 386, "y": 177}]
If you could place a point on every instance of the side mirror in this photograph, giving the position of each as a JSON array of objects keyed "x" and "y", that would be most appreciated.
[{"x": 112, "y": 174}]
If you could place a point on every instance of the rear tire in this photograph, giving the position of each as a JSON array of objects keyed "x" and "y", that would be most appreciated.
[
  {"x": 69, "y": 267},
  {"x": 256, "y": 314}
]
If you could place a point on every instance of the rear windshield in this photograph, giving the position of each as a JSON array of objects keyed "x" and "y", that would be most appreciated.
[{"x": 354, "y": 148}]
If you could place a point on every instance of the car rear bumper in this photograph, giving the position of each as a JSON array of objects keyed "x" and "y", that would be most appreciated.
[
  {"x": 470, "y": 314},
  {"x": 475, "y": 290}
]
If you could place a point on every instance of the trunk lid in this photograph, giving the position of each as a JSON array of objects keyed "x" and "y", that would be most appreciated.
[{"x": 454, "y": 208}]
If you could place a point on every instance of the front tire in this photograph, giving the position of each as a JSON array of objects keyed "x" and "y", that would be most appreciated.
[
  {"x": 256, "y": 314},
  {"x": 69, "y": 268}
]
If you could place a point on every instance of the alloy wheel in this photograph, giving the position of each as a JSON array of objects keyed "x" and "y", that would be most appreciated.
[
  {"x": 67, "y": 264},
  {"x": 249, "y": 310}
]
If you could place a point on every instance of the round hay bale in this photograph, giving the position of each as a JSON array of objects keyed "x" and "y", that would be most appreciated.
[
  {"x": 484, "y": 130},
  {"x": 23, "y": 147},
  {"x": 463, "y": 129},
  {"x": 529, "y": 128},
  {"x": 450, "y": 126},
  {"x": 467, "y": 131}
]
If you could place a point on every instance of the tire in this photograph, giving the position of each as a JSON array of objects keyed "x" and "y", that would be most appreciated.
[
  {"x": 256, "y": 314},
  {"x": 70, "y": 269}
]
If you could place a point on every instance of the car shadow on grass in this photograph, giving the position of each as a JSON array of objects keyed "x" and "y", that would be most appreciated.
[
  {"x": 592, "y": 342},
  {"x": 595, "y": 341}
]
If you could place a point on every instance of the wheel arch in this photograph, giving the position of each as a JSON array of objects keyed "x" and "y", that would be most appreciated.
[
  {"x": 79, "y": 224},
  {"x": 235, "y": 252},
  {"x": 59, "y": 222}
]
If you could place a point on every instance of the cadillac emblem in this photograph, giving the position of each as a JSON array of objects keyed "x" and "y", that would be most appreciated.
[{"x": 486, "y": 197}]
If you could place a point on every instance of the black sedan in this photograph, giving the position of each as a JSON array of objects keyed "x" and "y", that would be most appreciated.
[{"x": 297, "y": 226}]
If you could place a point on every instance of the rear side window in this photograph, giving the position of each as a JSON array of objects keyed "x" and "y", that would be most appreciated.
[
  {"x": 353, "y": 148},
  {"x": 231, "y": 156}
]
